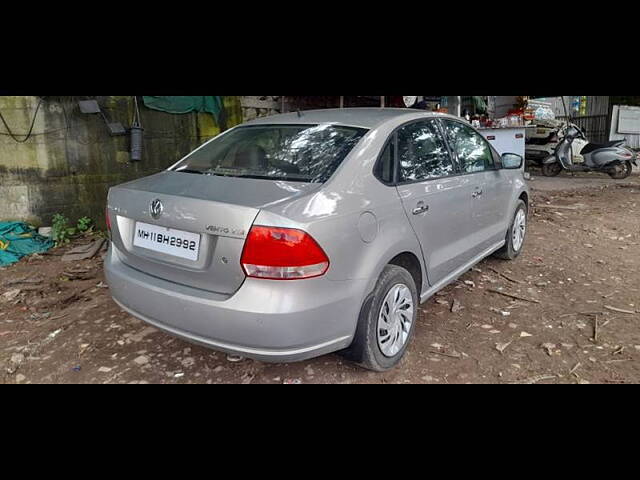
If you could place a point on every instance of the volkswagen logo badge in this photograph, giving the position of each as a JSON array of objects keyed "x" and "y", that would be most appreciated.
[{"x": 156, "y": 208}]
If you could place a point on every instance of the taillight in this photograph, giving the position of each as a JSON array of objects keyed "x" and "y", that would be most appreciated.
[
  {"x": 106, "y": 215},
  {"x": 282, "y": 254}
]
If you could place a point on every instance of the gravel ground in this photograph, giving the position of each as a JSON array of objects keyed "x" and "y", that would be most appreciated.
[{"x": 577, "y": 319}]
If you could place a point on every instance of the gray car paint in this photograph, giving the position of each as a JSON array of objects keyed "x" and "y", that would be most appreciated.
[
  {"x": 360, "y": 223},
  {"x": 196, "y": 204}
]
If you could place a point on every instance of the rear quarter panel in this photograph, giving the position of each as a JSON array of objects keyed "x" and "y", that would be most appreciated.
[{"x": 358, "y": 221}]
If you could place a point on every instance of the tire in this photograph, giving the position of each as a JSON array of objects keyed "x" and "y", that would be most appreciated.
[
  {"x": 511, "y": 250},
  {"x": 551, "y": 169},
  {"x": 621, "y": 171},
  {"x": 369, "y": 348}
]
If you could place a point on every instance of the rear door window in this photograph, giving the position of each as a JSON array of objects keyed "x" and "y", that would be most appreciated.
[
  {"x": 422, "y": 153},
  {"x": 384, "y": 168}
]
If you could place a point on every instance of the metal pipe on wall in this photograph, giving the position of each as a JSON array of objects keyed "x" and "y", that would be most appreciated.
[{"x": 137, "y": 134}]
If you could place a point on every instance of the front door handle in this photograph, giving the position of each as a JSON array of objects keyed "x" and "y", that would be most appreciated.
[{"x": 421, "y": 207}]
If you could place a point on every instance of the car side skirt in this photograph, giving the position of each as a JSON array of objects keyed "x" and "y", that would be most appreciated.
[{"x": 453, "y": 276}]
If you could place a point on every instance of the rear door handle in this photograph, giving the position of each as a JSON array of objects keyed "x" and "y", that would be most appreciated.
[{"x": 420, "y": 208}]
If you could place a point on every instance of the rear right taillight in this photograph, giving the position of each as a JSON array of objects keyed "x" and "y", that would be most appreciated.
[
  {"x": 282, "y": 254},
  {"x": 106, "y": 216}
]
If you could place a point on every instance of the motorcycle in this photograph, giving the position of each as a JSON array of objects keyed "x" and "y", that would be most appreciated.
[{"x": 613, "y": 158}]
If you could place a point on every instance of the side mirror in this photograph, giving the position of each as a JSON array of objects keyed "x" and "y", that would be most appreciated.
[{"x": 512, "y": 161}]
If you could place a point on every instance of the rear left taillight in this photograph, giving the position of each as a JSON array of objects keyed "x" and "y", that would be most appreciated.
[{"x": 282, "y": 254}]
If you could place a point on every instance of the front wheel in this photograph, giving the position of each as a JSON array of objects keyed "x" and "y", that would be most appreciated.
[
  {"x": 387, "y": 321},
  {"x": 551, "y": 169},
  {"x": 621, "y": 171},
  {"x": 514, "y": 240}
]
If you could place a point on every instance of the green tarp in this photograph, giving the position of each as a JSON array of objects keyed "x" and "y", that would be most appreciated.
[
  {"x": 18, "y": 239},
  {"x": 212, "y": 105}
]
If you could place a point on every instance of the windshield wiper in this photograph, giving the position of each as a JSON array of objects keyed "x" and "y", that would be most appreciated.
[
  {"x": 208, "y": 173},
  {"x": 284, "y": 178},
  {"x": 187, "y": 170}
]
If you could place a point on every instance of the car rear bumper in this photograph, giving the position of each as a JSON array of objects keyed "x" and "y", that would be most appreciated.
[{"x": 268, "y": 320}]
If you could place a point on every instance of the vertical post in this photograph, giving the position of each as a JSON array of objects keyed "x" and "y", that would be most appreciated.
[
  {"x": 491, "y": 106},
  {"x": 282, "y": 104},
  {"x": 381, "y": 102},
  {"x": 341, "y": 102},
  {"x": 609, "y": 120},
  {"x": 566, "y": 113}
]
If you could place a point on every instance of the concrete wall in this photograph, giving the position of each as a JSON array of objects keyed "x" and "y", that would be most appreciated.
[
  {"x": 70, "y": 161},
  {"x": 261, "y": 106}
]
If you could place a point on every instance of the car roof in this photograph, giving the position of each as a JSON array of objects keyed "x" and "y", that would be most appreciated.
[{"x": 355, "y": 117}]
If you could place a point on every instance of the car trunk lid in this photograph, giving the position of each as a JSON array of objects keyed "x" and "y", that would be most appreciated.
[{"x": 211, "y": 214}]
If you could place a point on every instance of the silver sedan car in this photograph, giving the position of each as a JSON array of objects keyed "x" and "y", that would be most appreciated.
[{"x": 301, "y": 234}]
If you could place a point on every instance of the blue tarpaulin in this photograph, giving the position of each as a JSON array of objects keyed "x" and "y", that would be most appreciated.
[{"x": 18, "y": 239}]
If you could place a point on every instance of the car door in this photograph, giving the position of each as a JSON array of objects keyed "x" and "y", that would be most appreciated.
[
  {"x": 435, "y": 198},
  {"x": 479, "y": 162}
]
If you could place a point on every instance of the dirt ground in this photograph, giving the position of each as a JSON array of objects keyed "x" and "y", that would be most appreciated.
[{"x": 580, "y": 268}]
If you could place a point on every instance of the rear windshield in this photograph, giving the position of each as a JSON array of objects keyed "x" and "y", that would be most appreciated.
[{"x": 303, "y": 153}]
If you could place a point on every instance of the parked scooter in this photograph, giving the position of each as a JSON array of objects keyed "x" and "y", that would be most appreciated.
[
  {"x": 613, "y": 158},
  {"x": 541, "y": 141}
]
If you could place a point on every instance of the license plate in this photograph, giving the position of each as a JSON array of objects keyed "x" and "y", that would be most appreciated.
[{"x": 167, "y": 240}]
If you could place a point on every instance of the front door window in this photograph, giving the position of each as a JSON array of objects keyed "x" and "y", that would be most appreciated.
[{"x": 473, "y": 151}]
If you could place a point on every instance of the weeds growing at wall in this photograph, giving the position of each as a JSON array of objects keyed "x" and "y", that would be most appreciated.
[{"x": 62, "y": 232}]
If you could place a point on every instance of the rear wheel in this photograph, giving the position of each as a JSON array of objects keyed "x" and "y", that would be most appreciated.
[
  {"x": 620, "y": 171},
  {"x": 551, "y": 169},
  {"x": 387, "y": 321},
  {"x": 514, "y": 240}
]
